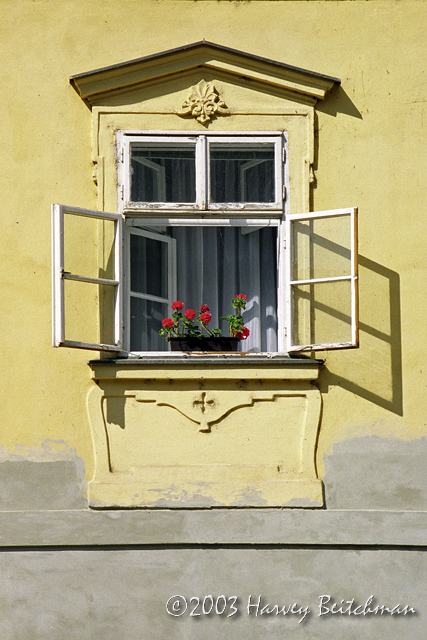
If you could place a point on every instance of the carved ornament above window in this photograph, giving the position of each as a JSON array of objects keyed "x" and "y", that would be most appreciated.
[{"x": 203, "y": 102}]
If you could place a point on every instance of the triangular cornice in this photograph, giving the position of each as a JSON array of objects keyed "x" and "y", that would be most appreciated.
[{"x": 310, "y": 86}]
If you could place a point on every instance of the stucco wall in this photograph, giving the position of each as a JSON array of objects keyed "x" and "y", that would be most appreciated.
[{"x": 370, "y": 153}]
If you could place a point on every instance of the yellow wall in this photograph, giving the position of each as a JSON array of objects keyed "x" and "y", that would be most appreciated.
[{"x": 371, "y": 154}]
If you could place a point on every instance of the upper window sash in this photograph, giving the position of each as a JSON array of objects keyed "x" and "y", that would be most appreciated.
[
  {"x": 270, "y": 144},
  {"x": 191, "y": 143}
]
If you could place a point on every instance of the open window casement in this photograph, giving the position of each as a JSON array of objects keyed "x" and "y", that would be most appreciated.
[
  {"x": 87, "y": 259},
  {"x": 322, "y": 280}
]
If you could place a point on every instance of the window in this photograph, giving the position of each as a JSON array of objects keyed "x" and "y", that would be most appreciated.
[
  {"x": 200, "y": 172},
  {"x": 201, "y": 218}
]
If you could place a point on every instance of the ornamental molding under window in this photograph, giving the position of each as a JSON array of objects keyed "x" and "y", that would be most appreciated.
[{"x": 157, "y": 444}]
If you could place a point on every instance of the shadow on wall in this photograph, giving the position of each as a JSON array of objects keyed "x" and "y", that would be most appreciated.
[
  {"x": 325, "y": 311},
  {"x": 380, "y": 355},
  {"x": 337, "y": 101}
]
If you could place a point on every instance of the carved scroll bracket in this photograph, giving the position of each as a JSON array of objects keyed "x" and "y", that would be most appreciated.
[{"x": 205, "y": 409}]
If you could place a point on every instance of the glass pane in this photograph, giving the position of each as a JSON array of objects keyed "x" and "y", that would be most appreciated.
[
  {"x": 146, "y": 322},
  {"x": 242, "y": 172},
  {"x": 322, "y": 313},
  {"x": 321, "y": 247},
  {"x": 83, "y": 302},
  {"x": 89, "y": 246},
  {"x": 163, "y": 173},
  {"x": 148, "y": 266}
]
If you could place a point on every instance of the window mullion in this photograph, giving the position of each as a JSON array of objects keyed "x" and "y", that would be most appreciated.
[{"x": 201, "y": 173}]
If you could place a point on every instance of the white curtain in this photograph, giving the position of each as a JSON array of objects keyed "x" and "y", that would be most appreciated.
[{"x": 216, "y": 263}]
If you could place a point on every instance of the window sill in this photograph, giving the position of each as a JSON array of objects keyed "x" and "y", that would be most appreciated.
[{"x": 247, "y": 365}]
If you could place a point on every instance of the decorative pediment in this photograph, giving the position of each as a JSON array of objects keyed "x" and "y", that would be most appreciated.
[{"x": 262, "y": 73}]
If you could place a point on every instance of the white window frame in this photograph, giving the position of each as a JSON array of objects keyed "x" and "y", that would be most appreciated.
[
  {"x": 250, "y": 216},
  {"x": 201, "y": 141},
  {"x": 247, "y": 225},
  {"x": 352, "y": 277},
  {"x": 59, "y": 275},
  {"x": 278, "y": 142},
  {"x": 132, "y": 228}
]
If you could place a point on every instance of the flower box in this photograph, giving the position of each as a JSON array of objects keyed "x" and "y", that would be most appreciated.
[
  {"x": 206, "y": 343},
  {"x": 183, "y": 335}
]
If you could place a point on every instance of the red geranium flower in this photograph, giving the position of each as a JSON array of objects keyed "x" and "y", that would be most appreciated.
[
  {"x": 204, "y": 307},
  {"x": 190, "y": 314},
  {"x": 167, "y": 322},
  {"x": 245, "y": 333},
  {"x": 177, "y": 305},
  {"x": 241, "y": 295},
  {"x": 205, "y": 317}
]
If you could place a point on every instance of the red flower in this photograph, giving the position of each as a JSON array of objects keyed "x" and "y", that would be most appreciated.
[
  {"x": 241, "y": 295},
  {"x": 177, "y": 305},
  {"x": 190, "y": 314},
  {"x": 204, "y": 307},
  {"x": 242, "y": 333},
  {"x": 167, "y": 322},
  {"x": 205, "y": 317}
]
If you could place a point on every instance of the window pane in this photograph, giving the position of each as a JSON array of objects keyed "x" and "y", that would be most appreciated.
[
  {"x": 322, "y": 313},
  {"x": 148, "y": 266},
  {"x": 89, "y": 312},
  {"x": 321, "y": 247},
  {"x": 89, "y": 246},
  {"x": 242, "y": 172},
  {"x": 163, "y": 173},
  {"x": 146, "y": 321}
]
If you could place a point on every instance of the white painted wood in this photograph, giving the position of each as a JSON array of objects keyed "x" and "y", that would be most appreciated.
[
  {"x": 172, "y": 274},
  {"x": 253, "y": 138},
  {"x": 195, "y": 221},
  {"x": 352, "y": 278},
  {"x": 201, "y": 141},
  {"x": 70, "y": 276},
  {"x": 58, "y": 277},
  {"x": 57, "y": 281},
  {"x": 281, "y": 288},
  {"x": 124, "y": 139},
  {"x": 201, "y": 172},
  {"x": 318, "y": 280}
]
